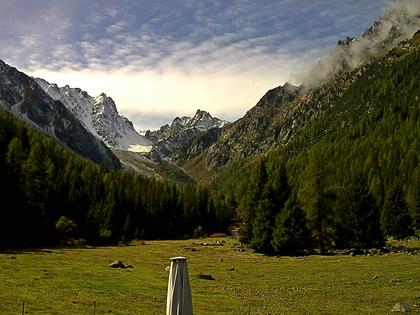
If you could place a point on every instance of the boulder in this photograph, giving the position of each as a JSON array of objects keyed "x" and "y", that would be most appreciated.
[
  {"x": 117, "y": 264},
  {"x": 398, "y": 308}
]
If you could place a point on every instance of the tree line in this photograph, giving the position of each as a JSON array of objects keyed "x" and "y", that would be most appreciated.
[
  {"x": 350, "y": 179},
  {"x": 49, "y": 193}
]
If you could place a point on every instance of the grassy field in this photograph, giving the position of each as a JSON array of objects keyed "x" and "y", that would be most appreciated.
[{"x": 69, "y": 281}]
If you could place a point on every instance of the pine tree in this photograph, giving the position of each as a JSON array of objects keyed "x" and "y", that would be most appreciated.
[
  {"x": 359, "y": 216},
  {"x": 250, "y": 203},
  {"x": 262, "y": 224},
  {"x": 395, "y": 217},
  {"x": 291, "y": 234},
  {"x": 317, "y": 199}
]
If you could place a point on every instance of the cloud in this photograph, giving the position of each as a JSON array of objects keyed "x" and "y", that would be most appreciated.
[
  {"x": 399, "y": 22},
  {"x": 171, "y": 93},
  {"x": 172, "y": 57}
]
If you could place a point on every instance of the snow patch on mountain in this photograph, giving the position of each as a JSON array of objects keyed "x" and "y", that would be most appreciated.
[{"x": 99, "y": 115}]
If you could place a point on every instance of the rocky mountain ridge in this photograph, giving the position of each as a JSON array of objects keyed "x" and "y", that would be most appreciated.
[
  {"x": 185, "y": 137},
  {"x": 99, "y": 115},
  {"x": 22, "y": 96},
  {"x": 280, "y": 115},
  {"x": 396, "y": 24}
]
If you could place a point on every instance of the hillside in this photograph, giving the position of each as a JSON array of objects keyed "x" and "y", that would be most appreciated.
[
  {"x": 99, "y": 115},
  {"x": 50, "y": 195},
  {"x": 22, "y": 96},
  {"x": 284, "y": 111},
  {"x": 350, "y": 175}
]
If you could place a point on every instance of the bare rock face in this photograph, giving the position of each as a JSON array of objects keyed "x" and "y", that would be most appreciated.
[
  {"x": 22, "y": 96},
  {"x": 255, "y": 132},
  {"x": 284, "y": 111},
  {"x": 185, "y": 138},
  {"x": 99, "y": 115}
]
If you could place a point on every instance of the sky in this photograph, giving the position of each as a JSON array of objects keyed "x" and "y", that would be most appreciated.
[{"x": 162, "y": 59}]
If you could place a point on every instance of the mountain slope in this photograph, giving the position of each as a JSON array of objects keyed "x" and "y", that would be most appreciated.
[
  {"x": 351, "y": 175},
  {"x": 22, "y": 96},
  {"x": 284, "y": 111},
  {"x": 50, "y": 194},
  {"x": 252, "y": 134},
  {"x": 185, "y": 138},
  {"x": 395, "y": 25},
  {"x": 99, "y": 115}
]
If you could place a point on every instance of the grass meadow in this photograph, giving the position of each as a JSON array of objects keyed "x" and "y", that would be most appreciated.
[{"x": 71, "y": 281}]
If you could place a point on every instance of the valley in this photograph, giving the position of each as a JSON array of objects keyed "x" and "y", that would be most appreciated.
[
  {"x": 316, "y": 188},
  {"x": 69, "y": 281}
]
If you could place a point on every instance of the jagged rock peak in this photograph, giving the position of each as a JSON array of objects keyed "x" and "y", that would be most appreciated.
[
  {"x": 99, "y": 115},
  {"x": 27, "y": 99},
  {"x": 105, "y": 104},
  {"x": 170, "y": 141},
  {"x": 203, "y": 119},
  {"x": 347, "y": 41},
  {"x": 398, "y": 23},
  {"x": 279, "y": 95}
]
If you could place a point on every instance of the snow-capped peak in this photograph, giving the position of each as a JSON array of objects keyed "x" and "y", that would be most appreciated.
[{"x": 99, "y": 115}]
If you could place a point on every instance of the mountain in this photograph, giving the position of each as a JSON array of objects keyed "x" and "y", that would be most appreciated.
[
  {"x": 331, "y": 164},
  {"x": 185, "y": 137},
  {"x": 99, "y": 115},
  {"x": 284, "y": 111},
  {"x": 49, "y": 193},
  {"x": 347, "y": 176},
  {"x": 22, "y": 96},
  {"x": 254, "y": 133},
  {"x": 395, "y": 25}
]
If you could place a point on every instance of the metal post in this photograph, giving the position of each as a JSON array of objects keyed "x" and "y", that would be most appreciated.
[
  {"x": 179, "y": 299},
  {"x": 94, "y": 307},
  {"x": 23, "y": 307}
]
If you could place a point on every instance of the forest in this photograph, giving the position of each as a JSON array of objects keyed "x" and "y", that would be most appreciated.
[
  {"x": 50, "y": 194},
  {"x": 349, "y": 179}
]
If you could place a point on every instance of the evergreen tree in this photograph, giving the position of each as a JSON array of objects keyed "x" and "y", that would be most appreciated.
[
  {"x": 262, "y": 224},
  {"x": 359, "y": 217},
  {"x": 318, "y": 198},
  {"x": 250, "y": 202},
  {"x": 395, "y": 217},
  {"x": 291, "y": 234}
]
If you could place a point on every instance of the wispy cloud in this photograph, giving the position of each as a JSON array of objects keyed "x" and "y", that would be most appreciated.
[{"x": 164, "y": 58}]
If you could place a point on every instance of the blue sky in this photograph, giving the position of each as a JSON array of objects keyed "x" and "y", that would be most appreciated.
[{"x": 161, "y": 59}]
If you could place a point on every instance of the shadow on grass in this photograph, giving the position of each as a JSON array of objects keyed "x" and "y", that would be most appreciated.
[{"x": 18, "y": 251}]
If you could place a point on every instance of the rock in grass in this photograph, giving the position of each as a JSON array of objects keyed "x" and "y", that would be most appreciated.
[
  {"x": 398, "y": 308},
  {"x": 117, "y": 264},
  {"x": 205, "y": 277},
  {"x": 394, "y": 281}
]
